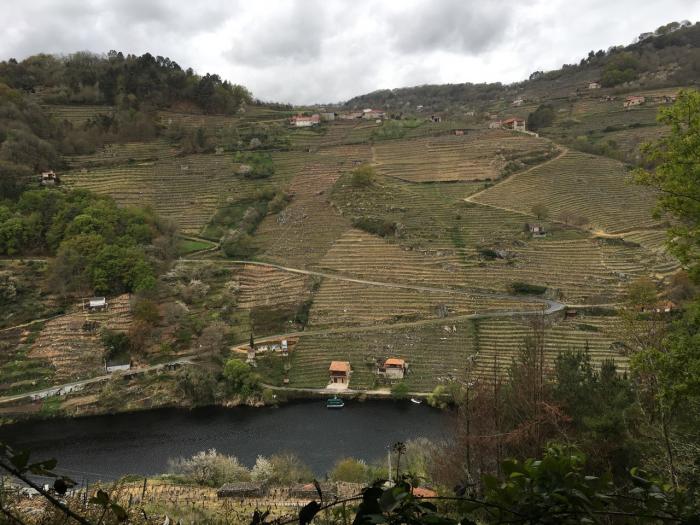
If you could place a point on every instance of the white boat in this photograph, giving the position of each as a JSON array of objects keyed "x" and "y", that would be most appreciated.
[{"x": 416, "y": 401}]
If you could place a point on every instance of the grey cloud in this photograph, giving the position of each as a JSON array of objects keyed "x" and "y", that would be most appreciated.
[
  {"x": 462, "y": 26},
  {"x": 294, "y": 34}
]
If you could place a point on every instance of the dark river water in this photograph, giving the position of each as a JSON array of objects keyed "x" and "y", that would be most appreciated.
[{"x": 106, "y": 447}]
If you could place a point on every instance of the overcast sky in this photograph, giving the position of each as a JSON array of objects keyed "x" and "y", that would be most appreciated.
[{"x": 304, "y": 51}]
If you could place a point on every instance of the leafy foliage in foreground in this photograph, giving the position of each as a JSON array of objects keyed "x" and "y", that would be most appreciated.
[{"x": 553, "y": 490}]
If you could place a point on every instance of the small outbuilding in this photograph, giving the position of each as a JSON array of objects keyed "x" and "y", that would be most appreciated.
[
  {"x": 95, "y": 304},
  {"x": 241, "y": 489},
  {"x": 395, "y": 368},
  {"x": 340, "y": 372},
  {"x": 49, "y": 178},
  {"x": 537, "y": 230},
  {"x": 594, "y": 85}
]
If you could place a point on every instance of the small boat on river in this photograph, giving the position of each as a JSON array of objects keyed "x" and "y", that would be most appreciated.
[
  {"x": 416, "y": 401},
  {"x": 335, "y": 402}
]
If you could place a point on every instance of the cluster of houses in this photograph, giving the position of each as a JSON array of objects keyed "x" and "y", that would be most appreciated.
[
  {"x": 513, "y": 123},
  {"x": 281, "y": 347},
  {"x": 305, "y": 121}
]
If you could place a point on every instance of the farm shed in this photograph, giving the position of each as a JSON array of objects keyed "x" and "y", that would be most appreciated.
[
  {"x": 340, "y": 372},
  {"x": 537, "y": 230},
  {"x": 241, "y": 489},
  {"x": 394, "y": 368},
  {"x": 593, "y": 85},
  {"x": 95, "y": 304}
]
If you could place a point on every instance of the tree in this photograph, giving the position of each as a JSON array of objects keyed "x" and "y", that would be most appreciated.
[
  {"x": 240, "y": 378},
  {"x": 400, "y": 390},
  {"x": 666, "y": 363},
  {"x": 196, "y": 385},
  {"x": 363, "y": 176},
  {"x": 542, "y": 117},
  {"x": 641, "y": 293},
  {"x": 540, "y": 211},
  {"x": 673, "y": 169}
]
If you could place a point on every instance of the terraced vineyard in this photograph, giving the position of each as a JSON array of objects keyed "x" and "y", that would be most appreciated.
[
  {"x": 586, "y": 186},
  {"x": 433, "y": 351},
  {"x": 367, "y": 256},
  {"x": 265, "y": 286},
  {"x": 500, "y": 340},
  {"x": 186, "y": 189},
  {"x": 74, "y": 352},
  {"x": 453, "y": 158},
  {"x": 125, "y": 153},
  {"x": 77, "y": 115},
  {"x": 342, "y": 303},
  {"x": 301, "y": 233}
]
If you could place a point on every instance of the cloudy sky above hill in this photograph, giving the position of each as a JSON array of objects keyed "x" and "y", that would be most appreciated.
[{"x": 305, "y": 51}]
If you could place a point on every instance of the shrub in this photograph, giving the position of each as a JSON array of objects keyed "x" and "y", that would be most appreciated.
[
  {"x": 520, "y": 288},
  {"x": 363, "y": 176},
  {"x": 287, "y": 469},
  {"x": 488, "y": 253},
  {"x": 196, "y": 385},
  {"x": 209, "y": 468},
  {"x": 261, "y": 165},
  {"x": 116, "y": 344},
  {"x": 350, "y": 470},
  {"x": 237, "y": 244},
  {"x": 399, "y": 390},
  {"x": 375, "y": 225}
]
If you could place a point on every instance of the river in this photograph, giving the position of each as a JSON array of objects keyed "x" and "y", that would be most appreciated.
[{"x": 107, "y": 447}]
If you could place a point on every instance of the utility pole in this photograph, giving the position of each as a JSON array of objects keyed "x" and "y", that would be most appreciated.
[{"x": 388, "y": 458}]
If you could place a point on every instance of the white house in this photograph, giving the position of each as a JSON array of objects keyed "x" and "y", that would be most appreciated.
[
  {"x": 96, "y": 304},
  {"x": 593, "y": 85},
  {"x": 302, "y": 121}
]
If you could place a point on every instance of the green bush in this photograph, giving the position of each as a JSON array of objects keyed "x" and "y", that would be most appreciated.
[
  {"x": 375, "y": 225},
  {"x": 520, "y": 288},
  {"x": 350, "y": 470},
  {"x": 400, "y": 390},
  {"x": 261, "y": 164},
  {"x": 363, "y": 176}
]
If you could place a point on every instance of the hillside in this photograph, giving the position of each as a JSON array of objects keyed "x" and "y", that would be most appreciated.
[{"x": 428, "y": 256}]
